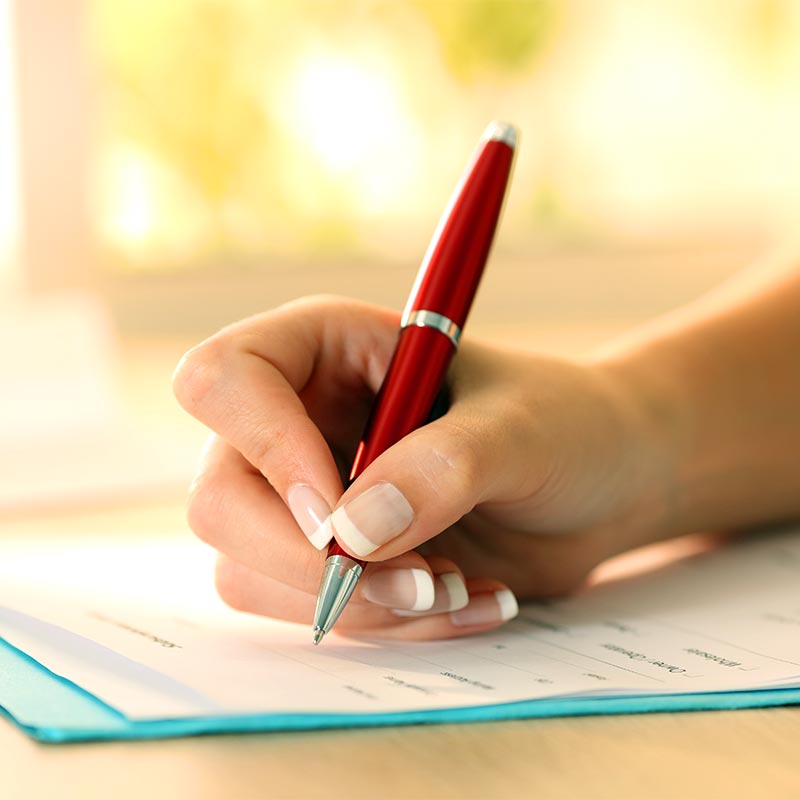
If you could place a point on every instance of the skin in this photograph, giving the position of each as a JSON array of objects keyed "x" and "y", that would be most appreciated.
[{"x": 540, "y": 470}]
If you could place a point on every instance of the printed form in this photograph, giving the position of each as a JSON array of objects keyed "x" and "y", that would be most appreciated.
[{"x": 116, "y": 621}]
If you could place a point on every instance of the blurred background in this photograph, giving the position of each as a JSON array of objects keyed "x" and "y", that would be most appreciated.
[{"x": 166, "y": 168}]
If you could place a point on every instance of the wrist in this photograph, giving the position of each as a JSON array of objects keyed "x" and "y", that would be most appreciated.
[{"x": 654, "y": 411}]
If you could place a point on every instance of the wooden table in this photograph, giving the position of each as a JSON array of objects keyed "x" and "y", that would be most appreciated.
[{"x": 731, "y": 754}]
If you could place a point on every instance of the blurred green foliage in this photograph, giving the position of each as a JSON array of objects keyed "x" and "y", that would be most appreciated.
[
  {"x": 192, "y": 84},
  {"x": 479, "y": 36},
  {"x": 767, "y": 32},
  {"x": 178, "y": 87}
]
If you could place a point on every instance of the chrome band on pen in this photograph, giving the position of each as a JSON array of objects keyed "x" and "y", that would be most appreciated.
[{"x": 430, "y": 319}]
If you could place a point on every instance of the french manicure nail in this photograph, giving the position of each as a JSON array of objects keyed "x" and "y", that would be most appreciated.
[
  {"x": 486, "y": 608},
  {"x": 450, "y": 594},
  {"x": 373, "y": 518},
  {"x": 410, "y": 589},
  {"x": 455, "y": 591},
  {"x": 312, "y": 514}
]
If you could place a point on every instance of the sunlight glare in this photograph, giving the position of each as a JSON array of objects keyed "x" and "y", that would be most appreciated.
[
  {"x": 130, "y": 218},
  {"x": 353, "y": 118}
]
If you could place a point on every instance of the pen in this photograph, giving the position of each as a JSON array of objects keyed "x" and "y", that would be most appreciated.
[{"x": 430, "y": 328}]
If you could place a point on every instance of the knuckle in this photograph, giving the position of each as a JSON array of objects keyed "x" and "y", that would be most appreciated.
[
  {"x": 310, "y": 301},
  {"x": 206, "y": 507},
  {"x": 317, "y": 302},
  {"x": 272, "y": 446},
  {"x": 198, "y": 374},
  {"x": 228, "y": 585},
  {"x": 458, "y": 466}
]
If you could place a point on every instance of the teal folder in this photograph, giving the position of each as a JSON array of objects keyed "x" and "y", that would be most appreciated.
[{"x": 51, "y": 708}]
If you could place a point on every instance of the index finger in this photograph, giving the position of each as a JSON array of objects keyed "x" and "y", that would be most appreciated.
[{"x": 244, "y": 383}]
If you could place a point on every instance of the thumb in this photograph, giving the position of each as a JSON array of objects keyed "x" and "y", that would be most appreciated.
[{"x": 422, "y": 485}]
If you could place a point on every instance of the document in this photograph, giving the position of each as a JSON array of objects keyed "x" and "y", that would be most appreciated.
[{"x": 137, "y": 627}]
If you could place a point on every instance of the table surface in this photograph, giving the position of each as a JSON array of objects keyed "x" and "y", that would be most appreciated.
[{"x": 730, "y": 754}]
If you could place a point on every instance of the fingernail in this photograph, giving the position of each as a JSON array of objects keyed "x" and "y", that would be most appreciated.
[
  {"x": 410, "y": 589},
  {"x": 312, "y": 514},
  {"x": 487, "y": 608},
  {"x": 450, "y": 594},
  {"x": 372, "y": 519}
]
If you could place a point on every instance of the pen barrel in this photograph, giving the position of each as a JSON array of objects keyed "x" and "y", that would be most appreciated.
[
  {"x": 451, "y": 270},
  {"x": 405, "y": 400},
  {"x": 438, "y": 306},
  {"x": 415, "y": 376}
]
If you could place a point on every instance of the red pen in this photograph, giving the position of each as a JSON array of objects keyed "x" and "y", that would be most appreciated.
[{"x": 429, "y": 332}]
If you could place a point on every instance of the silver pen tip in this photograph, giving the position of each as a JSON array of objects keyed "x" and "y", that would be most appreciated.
[
  {"x": 318, "y": 634},
  {"x": 501, "y": 132}
]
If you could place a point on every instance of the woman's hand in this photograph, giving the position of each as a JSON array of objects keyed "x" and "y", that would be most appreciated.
[{"x": 539, "y": 470}]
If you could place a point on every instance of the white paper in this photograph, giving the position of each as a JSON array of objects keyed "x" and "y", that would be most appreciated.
[{"x": 149, "y": 637}]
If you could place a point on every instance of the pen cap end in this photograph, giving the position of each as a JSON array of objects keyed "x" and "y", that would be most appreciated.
[{"x": 501, "y": 132}]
